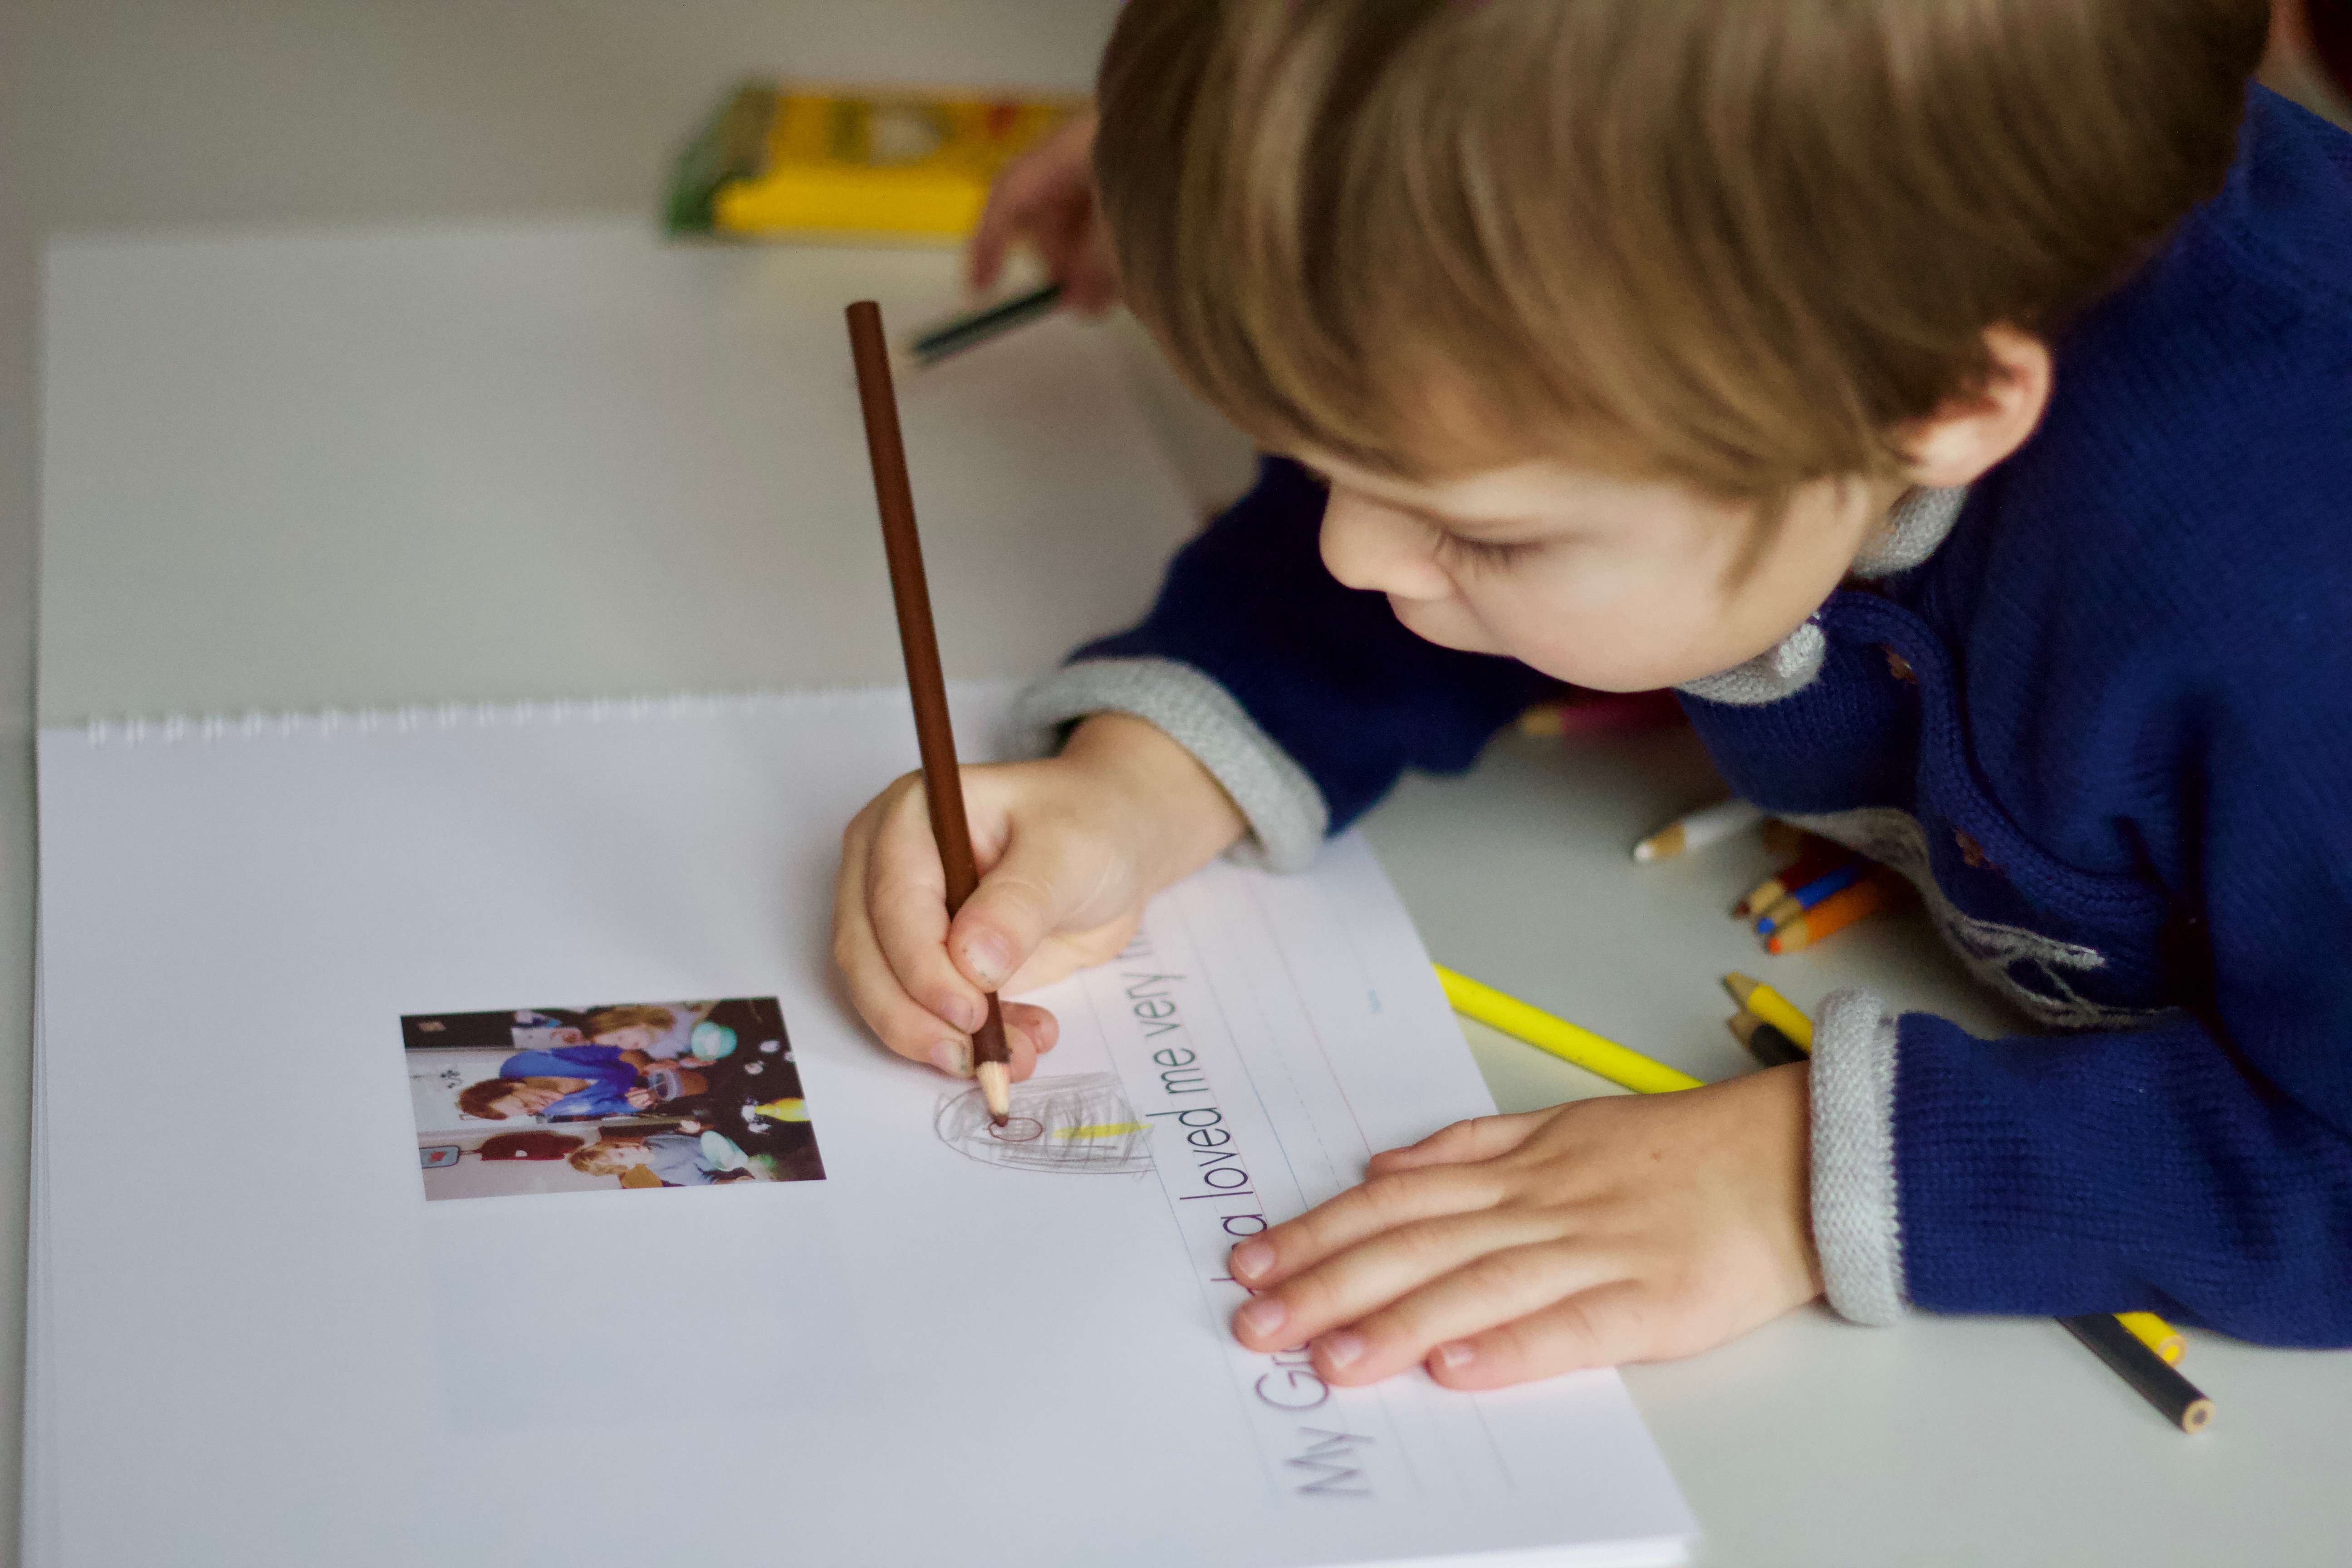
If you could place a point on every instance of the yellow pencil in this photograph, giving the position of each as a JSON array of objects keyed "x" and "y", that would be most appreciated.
[
  {"x": 2156, "y": 1334},
  {"x": 1569, "y": 1042},
  {"x": 1771, "y": 1007}
]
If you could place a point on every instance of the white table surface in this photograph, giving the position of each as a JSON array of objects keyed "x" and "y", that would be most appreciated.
[{"x": 1947, "y": 1441}]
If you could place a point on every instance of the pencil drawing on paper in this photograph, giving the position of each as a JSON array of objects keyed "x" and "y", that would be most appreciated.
[{"x": 1081, "y": 1124}]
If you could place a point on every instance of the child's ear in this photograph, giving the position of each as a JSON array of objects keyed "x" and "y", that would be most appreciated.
[{"x": 1969, "y": 435}]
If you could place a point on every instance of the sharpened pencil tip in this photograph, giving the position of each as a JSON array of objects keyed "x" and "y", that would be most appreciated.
[{"x": 996, "y": 1091}]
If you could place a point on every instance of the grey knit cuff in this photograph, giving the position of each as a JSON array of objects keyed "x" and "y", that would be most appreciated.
[
  {"x": 1781, "y": 670},
  {"x": 1856, "y": 1227},
  {"x": 1284, "y": 810}
]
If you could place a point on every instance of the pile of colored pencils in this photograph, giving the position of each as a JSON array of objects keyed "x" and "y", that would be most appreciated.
[{"x": 1824, "y": 888}]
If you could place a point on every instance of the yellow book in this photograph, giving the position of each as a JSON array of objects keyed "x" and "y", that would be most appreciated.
[{"x": 847, "y": 163}]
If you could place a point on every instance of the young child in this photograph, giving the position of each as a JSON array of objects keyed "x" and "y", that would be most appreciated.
[
  {"x": 1953, "y": 398},
  {"x": 675, "y": 1157},
  {"x": 561, "y": 1081},
  {"x": 662, "y": 1033}
]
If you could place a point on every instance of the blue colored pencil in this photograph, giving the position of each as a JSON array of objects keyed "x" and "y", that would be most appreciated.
[{"x": 1811, "y": 893}]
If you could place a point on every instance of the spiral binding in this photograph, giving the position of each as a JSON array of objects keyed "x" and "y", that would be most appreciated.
[{"x": 327, "y": 723}]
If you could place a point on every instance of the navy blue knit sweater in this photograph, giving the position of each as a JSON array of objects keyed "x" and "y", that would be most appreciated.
[{"x": 2116, "y": 751}]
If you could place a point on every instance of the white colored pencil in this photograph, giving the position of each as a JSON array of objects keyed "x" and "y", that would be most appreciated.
[{"x": 1698, "y": 830}]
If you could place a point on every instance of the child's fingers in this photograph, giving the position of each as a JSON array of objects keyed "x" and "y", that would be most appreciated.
[
  {"x": 1479, "y": 1296},
  {"x": 1022, "y": 1047},
  {"x": 1596, "y": 1327},
  {"x": 1359, "y": 1281},
  {"x": 1036, "y": 883},
  {"x": 906, "y": 902},
  {"x": 901, "y": 1023},
  {"x": 1481, "y": 1138},
  {"x": 1382, "y": 1203},
  {"x": 1042, "y": 1029},
  {"x": 1066, "y": 952}
]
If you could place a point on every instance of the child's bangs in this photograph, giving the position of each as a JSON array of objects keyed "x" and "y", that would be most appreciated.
[{"x": 1320, "y": 247}]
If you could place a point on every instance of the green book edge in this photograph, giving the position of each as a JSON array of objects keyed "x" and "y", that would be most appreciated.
[{"x": 731, "y": 145}]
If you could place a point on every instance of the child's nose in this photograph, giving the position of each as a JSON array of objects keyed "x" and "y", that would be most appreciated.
[{"x": 1370, "y": 546}]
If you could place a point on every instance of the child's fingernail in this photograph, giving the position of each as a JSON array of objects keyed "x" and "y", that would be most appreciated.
[
  {"x": 1339, "y": 1348},
  {"x": 965, "y": 1013},
  {"x": 991, "y": 957},
  {"x": 1261, "y": 1317},
  {"x": 1251, "y": 1258},
  {"x": 952, "y": 1057},
  {"x": 1457, "y": 1355}
]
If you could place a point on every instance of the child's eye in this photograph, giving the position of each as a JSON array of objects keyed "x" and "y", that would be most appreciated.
[{"x": 1483, "y": 554}]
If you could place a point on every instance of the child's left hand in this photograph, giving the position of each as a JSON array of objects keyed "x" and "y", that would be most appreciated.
[{"x": 1513, "y": 1247}]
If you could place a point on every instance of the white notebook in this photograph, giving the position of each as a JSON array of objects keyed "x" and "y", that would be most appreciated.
[{"x": 846, "y": 1328}]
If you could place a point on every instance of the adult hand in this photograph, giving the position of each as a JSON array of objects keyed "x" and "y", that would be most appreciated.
[{"x": 1047, "y": 197}]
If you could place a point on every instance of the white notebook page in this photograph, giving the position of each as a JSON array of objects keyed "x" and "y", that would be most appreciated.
[{"x": 256, "y": 1343}]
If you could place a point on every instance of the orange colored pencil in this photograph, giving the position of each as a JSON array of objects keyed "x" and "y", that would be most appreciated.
[{"x": 1874, "y": 892}]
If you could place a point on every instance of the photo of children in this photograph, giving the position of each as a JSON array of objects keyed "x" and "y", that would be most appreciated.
[{"x": 629, "y": 1096}]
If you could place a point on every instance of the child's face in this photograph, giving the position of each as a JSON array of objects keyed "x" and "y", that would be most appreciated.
[
  {"x": 533, "y": 1095},
  {"x": 630, "y": 1153},
  {"x": 635, "y": 1037},
  {"x": 1613, "y": 584}
]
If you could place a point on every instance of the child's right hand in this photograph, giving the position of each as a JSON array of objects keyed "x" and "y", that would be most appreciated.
[
  {"x": 1047, "y": 197},
  {"x": 1070, "y": 849}
]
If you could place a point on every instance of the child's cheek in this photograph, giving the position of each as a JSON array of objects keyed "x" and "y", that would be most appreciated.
[{"x": 1620, "y": 639}]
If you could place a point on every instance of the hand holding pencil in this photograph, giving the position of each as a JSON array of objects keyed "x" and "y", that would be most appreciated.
[
  {"x": 992, "y": 1057},
  {"x": 1067, "y": 851}
]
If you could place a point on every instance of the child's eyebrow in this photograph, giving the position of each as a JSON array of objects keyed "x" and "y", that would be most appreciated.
[
  {"x": 1478, "y": 528},
  {"x": 1467, "y": 528}
]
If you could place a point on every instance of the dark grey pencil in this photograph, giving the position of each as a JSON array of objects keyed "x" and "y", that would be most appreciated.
[
  {"x": 2147, "y": 1372},
  {"x": 974, "y": 328}
]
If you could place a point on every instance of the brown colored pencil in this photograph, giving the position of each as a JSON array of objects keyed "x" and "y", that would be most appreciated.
[{"x": 942, "y": 781}]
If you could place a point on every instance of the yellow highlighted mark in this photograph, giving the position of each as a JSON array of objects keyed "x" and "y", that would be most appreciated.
[{"x": 1103, "y": 1129}]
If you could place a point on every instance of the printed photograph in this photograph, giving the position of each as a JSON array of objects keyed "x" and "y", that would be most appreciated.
[{"x": 632, "y": 1095}]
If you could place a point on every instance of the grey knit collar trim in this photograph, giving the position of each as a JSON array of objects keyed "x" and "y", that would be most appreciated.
[{"x": 1917, "y": 526}]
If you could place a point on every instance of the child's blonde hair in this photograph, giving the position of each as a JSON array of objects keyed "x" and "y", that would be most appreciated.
[
  {"x": 605, "y": 1020},
  {"x": 1739, "y": 243},
  {"x": 597, "y": 1159}
]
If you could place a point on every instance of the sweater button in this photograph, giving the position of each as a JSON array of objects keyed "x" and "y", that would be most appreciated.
[
  {"x": 1897, "y": 665},
  {"x": 1973, "y": 852}
]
